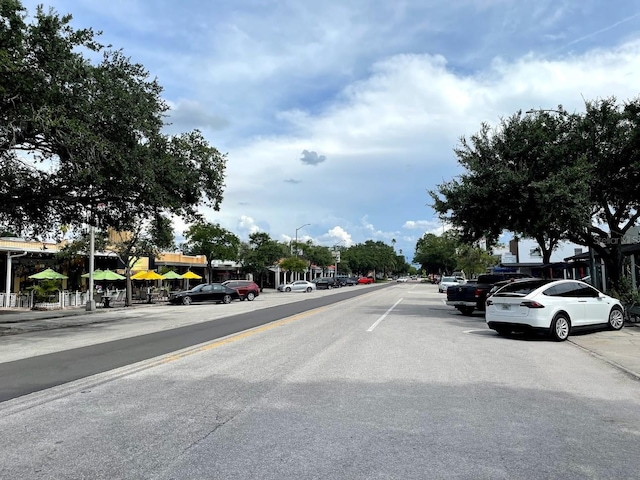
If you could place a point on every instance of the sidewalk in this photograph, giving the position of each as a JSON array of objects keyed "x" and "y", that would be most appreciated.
[
  {"x": 15, "y": 321},
  {"x": 620, "y": 349}
]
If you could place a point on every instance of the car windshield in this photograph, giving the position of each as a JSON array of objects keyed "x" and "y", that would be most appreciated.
[
  {"x": 198, "y": 288},
  {"x": 448, "y": 279},
  {"x": 520, "y": 289}
]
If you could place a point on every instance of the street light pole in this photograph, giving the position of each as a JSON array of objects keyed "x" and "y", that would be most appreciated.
[
  {"x": 542, "y": 110},
  {"x": 296, "y": 244},
  {"x": 336, "y": 257},
  {"x": 91, "y": 304}
]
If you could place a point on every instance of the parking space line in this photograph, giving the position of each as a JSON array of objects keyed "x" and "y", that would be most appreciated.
[{"x": 377, "y": 322}]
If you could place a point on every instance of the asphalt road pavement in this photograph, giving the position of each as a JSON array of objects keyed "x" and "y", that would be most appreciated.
[{"x": 387, "y": 385}]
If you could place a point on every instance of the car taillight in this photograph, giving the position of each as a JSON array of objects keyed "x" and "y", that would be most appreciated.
[
  {"x": 478, "y": 292},
  {"x": 531, "y": 304}
]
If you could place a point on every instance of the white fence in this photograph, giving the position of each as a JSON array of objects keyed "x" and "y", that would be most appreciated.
[
  {"x": 66, "y": 299},
  {"x": 16, "y": 300},
  {"x": 63, "y": 299}
]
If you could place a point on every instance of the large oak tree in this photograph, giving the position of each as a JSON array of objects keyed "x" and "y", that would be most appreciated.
[
  {"x": 81, "y": 134},
  {"x": 552, "y": 176}
]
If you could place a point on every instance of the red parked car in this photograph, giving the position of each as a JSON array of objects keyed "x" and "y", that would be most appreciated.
[
  {"x": 365, "y": 280},
  {"x": 247, "y": 289}
]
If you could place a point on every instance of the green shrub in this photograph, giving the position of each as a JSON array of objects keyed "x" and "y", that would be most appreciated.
[
  {"x": 43, "y": 290},
  {"x": 625, "y": 293}
]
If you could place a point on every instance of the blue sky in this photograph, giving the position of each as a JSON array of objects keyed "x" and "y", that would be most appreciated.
[{"x": 343, "y": 115}]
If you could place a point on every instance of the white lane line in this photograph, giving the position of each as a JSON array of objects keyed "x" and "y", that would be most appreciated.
[{"x": 370, "y": 329}]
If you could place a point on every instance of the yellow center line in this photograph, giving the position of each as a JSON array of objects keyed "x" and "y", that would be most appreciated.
[{"x": 238, "y": 336}]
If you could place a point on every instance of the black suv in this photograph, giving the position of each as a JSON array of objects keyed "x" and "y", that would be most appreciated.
[
  {"x": 347, "y": 281},
  {"x": 326, "y": 282}
]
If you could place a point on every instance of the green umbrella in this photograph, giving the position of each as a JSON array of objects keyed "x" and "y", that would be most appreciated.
[
  {"x": 95, "y": 272},
  {"x": 171, "y": 275},
  {"x": 107, "y": 275},
  {"x": 48, "y": 274},
  {"x": 104, "y": 275}
]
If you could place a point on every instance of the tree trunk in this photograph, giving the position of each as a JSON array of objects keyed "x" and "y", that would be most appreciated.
[
  {"x": 128, "y": 297},
  {"x": 614, "y": 264}
]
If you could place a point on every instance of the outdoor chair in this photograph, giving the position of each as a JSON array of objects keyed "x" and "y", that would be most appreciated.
[{"x": 97, "y": 297}]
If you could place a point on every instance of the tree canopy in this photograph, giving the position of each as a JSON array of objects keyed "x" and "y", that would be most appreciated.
[
  {"x": 260, "y": 253},
  {"x": 81, "y": 140},
  {"x": 518, "y": 177},
  {"x": 436, "y": 254},
  {"x": 212, "y": 241},
  {"x": 552, "y": 176}
]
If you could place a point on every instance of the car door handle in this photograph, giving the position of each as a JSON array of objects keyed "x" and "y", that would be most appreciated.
[{"x": 582, "y": 301}]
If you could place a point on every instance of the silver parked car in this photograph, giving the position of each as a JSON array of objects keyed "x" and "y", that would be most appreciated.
[{"x": 297, "y": 286}]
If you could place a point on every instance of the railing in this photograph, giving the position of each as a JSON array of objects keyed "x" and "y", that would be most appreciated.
[
  {"x": 15, "y": 300},
  {"x": 77, "y": 299}
]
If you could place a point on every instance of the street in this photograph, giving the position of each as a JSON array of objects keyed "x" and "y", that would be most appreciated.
[{"x": 392, "y": 384}]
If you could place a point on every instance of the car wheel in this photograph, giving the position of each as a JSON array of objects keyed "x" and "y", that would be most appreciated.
[
  {"x": 226, "y": 299},
  {"x": 329, "y": 287},
  {"x": 560, "y": 327},
  {"x": 466, "y": 310},
  {"x": 288, "y": 289},
  {"x": 503, "y": 331},
  {"x": 616, "y": 318},
  {"x": 250, "y": 296},
  {"x": 186, "y": 300},
  {"x": 309, "y": 289}
]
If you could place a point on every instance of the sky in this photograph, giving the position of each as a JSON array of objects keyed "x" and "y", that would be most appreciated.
[{"x": 337, "y": 117}]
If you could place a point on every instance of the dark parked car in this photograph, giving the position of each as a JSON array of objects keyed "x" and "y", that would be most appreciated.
[
  {"x": 347, "y": 281},
  {"x": 247, "y": 289},
  {"x": 205, "y": 292},
  {"x": 326, "y": 282},
  {"x": 472, "y": 295}
]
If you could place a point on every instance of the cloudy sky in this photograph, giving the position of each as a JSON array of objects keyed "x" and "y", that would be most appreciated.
[{"x": 342, "y": 115}]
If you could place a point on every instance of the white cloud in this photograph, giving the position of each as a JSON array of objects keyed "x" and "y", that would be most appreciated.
[
  {"x": 340, "y": 236},
  {"x": 424, "y": 225},
  {"x": 247, "y": 225},
  {"x": 383, "y": 90}
]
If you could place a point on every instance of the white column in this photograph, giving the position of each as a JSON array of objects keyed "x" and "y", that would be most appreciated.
[{"x": 8, "y": 278}]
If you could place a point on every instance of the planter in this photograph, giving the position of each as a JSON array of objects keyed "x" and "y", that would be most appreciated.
[
  {"x": 633, "y": 313},
  {"x": 47, "y": 306}
]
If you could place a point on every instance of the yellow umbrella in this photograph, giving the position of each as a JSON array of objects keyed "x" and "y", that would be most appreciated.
[
  {"x": 148, "y": 275},
  {"x": 190, "y": 274}
]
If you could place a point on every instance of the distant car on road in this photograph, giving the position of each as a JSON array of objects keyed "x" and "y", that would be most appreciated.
[
  {"x": 446, "y": 282},
  {"x": 365, "y": 280},
  {"x": 205, "y": 292},
  {"x": 402, "y": 279},
  {"x": 297, "y": 286}
]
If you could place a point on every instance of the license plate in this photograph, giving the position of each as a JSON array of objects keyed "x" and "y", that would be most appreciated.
[{"x": 505, "y": 306}]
